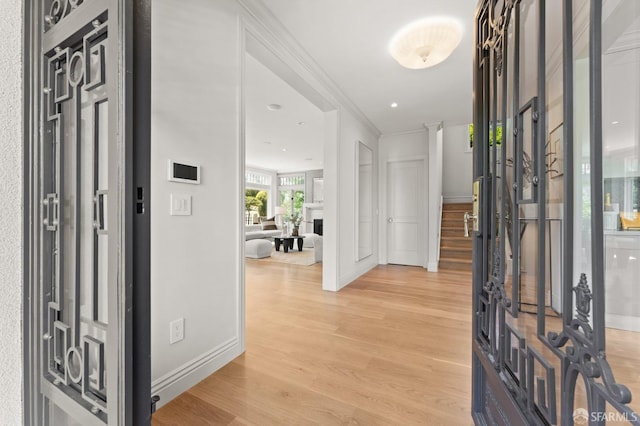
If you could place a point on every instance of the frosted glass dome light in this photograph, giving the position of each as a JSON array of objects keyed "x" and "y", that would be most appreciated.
[{"x": 426, "y": 43}]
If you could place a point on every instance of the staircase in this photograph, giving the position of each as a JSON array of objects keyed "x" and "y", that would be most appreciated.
[{"x": 455, "y": 249}]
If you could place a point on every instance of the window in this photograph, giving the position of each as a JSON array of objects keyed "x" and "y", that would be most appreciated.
[
  {"x": 292, "y": 200},
  {"x": 291, "y": 190},
  {"x": 255, "y": 204},
  {"x": 257, "y": 178},
  {"x": 291, "y": 180}
]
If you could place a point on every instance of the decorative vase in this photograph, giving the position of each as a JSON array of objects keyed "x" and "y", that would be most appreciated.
[{"x": 295, "y": 231}]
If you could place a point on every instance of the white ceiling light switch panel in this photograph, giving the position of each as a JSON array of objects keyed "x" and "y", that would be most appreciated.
[{"x": 180, "y": 205}]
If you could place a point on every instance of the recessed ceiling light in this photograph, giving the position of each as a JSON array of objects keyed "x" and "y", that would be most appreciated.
[
  {"x": 301, "y": 123},
  {"x": 615, "y": 122},
  {"x": 274, "y": 107},
  {"x": 394, "y": 105},
  {"x": 308, "y": 159},
  {"x": 284, "y": 149},
  {"x": 267, "y": 142}
]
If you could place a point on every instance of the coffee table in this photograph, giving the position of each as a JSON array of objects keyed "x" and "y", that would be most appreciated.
[{"x": 287, "y": 242}]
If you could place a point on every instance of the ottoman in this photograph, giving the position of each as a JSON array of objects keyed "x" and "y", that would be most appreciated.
[
  {"x": 308, "y": 240},
  {"x": 258, "y": 249}
]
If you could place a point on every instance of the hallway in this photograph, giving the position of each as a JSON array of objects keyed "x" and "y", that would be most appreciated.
[{"x": 391, "y": 348}]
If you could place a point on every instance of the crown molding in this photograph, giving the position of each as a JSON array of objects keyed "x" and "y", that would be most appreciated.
[
  {"x": 283, "y": 43},
  {"x": 423, "y": 131}
]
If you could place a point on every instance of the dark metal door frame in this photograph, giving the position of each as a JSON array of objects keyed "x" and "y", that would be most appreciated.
[
  {"x": 128, "y": 68},
  {"x": 508, "y": 387}
]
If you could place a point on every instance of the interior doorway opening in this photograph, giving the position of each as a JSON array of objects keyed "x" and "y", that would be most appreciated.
[{"x": 289, "y": 132}]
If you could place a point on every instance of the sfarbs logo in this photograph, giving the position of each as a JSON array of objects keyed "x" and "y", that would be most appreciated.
[{"x": 580, "y": 416}]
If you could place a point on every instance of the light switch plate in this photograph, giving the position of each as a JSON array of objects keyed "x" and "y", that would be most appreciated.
[{"x": 180, "y": 205}]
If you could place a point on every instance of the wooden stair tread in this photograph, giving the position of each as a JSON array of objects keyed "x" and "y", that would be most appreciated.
[
  {"x": 455, "y": 261},
  {"x": 455, "y": 248},
  {"x": 460, "y": 238},
  {"x": 447, "y": 206}
]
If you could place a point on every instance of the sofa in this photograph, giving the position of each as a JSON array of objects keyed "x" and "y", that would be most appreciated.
[{"x": 254, "y": 232}]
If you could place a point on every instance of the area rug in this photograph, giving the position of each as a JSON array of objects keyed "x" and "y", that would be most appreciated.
[{"x": 294, "y": 257}]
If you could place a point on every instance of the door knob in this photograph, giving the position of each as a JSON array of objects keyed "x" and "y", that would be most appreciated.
[
  {"x": 390, "y": 220},
  {"x": 468, "y": 216}
]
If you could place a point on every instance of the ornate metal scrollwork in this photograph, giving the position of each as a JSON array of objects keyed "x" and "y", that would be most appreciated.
[
  {"x": 591, "y": 363},
  {"x": 498, "y": 29},
  {"x": 58, "y": 10},
  {"x": 583, "y": 299},
  {"x": 72, "y": 81},
  {"x": 495, "y": 285}
]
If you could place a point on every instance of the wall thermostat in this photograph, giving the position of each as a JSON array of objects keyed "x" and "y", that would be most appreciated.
[{"x": 184, "y": 173}]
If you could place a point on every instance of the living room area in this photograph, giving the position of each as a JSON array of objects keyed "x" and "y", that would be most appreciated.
[{"x": 284, "y": 182}]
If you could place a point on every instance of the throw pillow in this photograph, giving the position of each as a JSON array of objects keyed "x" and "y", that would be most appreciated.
[{"x": 269, "y": 224}]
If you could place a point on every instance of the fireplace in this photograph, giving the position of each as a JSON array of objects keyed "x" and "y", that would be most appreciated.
[{"x": 317, "y": 226}]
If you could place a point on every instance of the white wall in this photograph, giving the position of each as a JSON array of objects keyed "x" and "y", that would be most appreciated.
[
  {"x": 11, "y": 219},
  {"x": 457, "y": 173},
  {"x": 398, "y": 146},
  {"x": 352, "y": 131},
  {"x": 195, "y": 260}
]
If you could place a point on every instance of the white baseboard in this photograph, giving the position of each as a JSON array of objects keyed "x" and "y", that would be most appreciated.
[
  {"x": 188, "y": 375},
  {"x": 457, "y": 199},
  {"x": 361, "y": 268},
  {"x": 432, "y": 267}
]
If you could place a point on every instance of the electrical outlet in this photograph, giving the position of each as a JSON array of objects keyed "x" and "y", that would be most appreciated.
[{"x": 176, "y": 331}]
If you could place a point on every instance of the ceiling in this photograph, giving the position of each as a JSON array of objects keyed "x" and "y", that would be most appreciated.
[
  {"x": 349, "y": 40},
  {"x": 274, "y": 139}
]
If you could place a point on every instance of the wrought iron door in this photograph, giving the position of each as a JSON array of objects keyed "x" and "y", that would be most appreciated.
[
  {"x": 88, "y": 215},
  {"x": 556, "y": 328}
]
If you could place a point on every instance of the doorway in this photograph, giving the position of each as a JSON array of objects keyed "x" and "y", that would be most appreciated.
[{"x": 295, "y": 197}]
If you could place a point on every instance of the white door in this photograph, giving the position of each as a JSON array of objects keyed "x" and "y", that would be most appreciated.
[{"x": 405, "y": 207}]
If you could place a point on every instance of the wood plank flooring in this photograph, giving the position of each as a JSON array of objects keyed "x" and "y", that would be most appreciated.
[{"x": 393, "y": 348}]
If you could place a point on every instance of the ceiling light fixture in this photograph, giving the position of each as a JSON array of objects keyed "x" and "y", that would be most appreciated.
[
  {"x": 274, "y": 107},
  {"x": 267, "y": 142},
  {"x": 615, "y": 122},
  {"x": 284, "y": 149},
  {"x": 301, "y": 123},
  {"x": 426, "y": 43},
  {"x": 394, "y": 105}
]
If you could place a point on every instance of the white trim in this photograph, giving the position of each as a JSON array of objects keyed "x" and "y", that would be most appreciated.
[
  {"x": 356, "y": 201},
  {"x": 331, "y": 209},
  {"x": 457, "y": 198},
  {"x": 362, "y": 268},
  {"x": 241, "y": 187},
  {"x": 435, "y": 136},
  {"x": 404, "y": 132},
  {"x": 289, "y": 45},
  {"x": 190, "y": 373}
]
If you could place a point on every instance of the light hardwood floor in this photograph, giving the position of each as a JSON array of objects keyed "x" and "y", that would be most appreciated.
[{"x": 393, "y": 348}]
